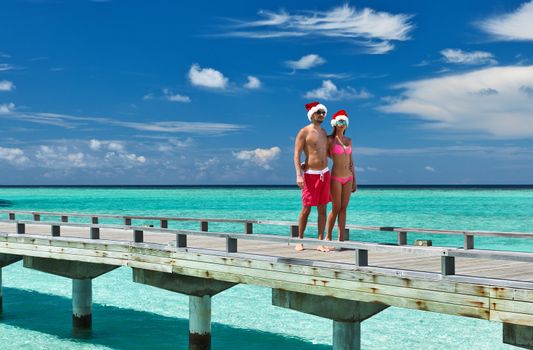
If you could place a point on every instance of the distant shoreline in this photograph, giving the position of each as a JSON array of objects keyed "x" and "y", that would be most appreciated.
[{"x": 408, "y": 187}]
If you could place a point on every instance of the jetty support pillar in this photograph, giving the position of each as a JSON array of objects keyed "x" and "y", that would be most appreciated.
[
  {"x": 199, "y": 290},
  {"x": 6, "y": 259},
  {"x": 346, "y": 315},
  {"x": 518, "y": 335},
  {"x": 82, "y": 274}
]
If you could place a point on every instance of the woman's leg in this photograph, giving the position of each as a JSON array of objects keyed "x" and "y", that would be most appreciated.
[
  {"x": 346, "y": 191},
  {"x": 336, "y": 189}
]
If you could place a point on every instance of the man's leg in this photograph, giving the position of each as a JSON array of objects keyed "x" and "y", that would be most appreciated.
[
  {"x": 302, "y": 223},
  {"x": 321, "y": 220}
]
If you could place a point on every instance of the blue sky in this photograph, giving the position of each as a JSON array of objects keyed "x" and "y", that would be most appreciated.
[{"x": 203, "y": 92}]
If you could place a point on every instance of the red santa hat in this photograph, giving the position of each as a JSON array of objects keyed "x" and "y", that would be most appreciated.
[
  {"x": 313, "y": 107},
  {"x": 340, "y": 115}
]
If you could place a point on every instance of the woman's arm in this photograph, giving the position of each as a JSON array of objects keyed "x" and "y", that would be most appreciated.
[{"x": 352, "y": 167}]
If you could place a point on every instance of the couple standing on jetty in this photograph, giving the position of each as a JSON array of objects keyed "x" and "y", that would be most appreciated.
[{"x": 319, "y": 187}]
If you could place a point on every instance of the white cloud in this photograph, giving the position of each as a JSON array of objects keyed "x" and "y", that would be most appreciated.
[
  {"x": 329, "y": 91},
  {"x": 7, "y": 108},
  {"x": 184, "y": 127},
  {"x": 375, "y": 31},
  {"x": 306, "y": 62},
  {"x": 253, "y": 83},
  {"x": 429, "y": 168},
  {"x": 474, "y": 57},
  {"x": 170, "y": 96},
  {"x": 61, "y": 157},
  {"x": 14, "y": 156},
  {"x": 6, "y": 85},
  {"x": 259, "y": 156},
  {"x": 492, "y": 101},
  {"x": 517, "y": 25},
  {"x": 207, "y": 77},
  {"x": 95, "y": 145},
  {"x": 148, "y": 97}
]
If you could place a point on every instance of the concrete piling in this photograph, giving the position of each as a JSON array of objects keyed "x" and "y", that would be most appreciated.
[
  {"x": 346, "y": 335},
  {"x": 199, "y": 322},
  {"x": 82, "y": 296}
]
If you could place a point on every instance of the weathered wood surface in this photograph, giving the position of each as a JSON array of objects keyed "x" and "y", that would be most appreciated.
[{"x": 483, "y": 288}]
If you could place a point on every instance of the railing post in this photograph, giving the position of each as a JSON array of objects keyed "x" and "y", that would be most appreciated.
[
  {"x": 64, "y": 218},
  {"x": 345, "y": 236},
  {"x": 248, "y": 228},
  {"x": 94, "y": 220},
  {"x": 469, "y": 242},
  {"x": 402, "y": 238},
  {"x": 181, "y": 240},
  {"x": 56, "y": 229},
  {"x": 294, "y": 231},
  {"x": 95, "y": 233},
  {"x": 204, "y": 226},
  {"x": 361, "y": 257},
  {"x": 12, "y": 216},
  {"x": 231, "y": 245},
  {"x": 21, "y": 228},
  {"x": 164, "y": 223},
  {"x": 36, "y": 217},
  {"x": 138, "y": 236},
  {"x": 447, "y": 265},
  {"x": 127, "y": 221}
]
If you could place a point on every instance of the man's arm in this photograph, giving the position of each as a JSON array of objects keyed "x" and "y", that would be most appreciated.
[{"x": 299, "y": 144}]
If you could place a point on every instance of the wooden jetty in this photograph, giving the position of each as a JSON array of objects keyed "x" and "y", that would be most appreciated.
[{"x": 355, "y": 282}]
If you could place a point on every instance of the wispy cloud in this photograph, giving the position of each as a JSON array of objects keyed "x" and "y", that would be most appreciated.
[
  {"x": 207, "y": 77},
  {"x": 306, "y": 62},
  {"x": 329, "y": 91},
  {"x": 490, "y": 102},
  {"x": 502, "y": 152},
  {"x": 517, "y": 25},
  {"x": 374, "y": 31},
  {"x": 183, "y": 127},
  {"x": 6, "y": 85},
  {"x": 6, "y": 67},
  {"x": 71, "y": 122},
  {"x": 462, "y": 57},
  {"x": 253, "y": 83},
  {"x": 260, "y": 156},
  {"x": 429, "y": 168}
]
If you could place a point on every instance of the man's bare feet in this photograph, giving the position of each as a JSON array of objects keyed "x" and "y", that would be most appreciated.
[
  {"x": 299, "y": 247},
  {"x": 331, "y": 249},
  {"x": 322, "y": 248}
]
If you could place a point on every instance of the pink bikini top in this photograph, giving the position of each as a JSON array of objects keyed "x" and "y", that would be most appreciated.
[{"x": 338, "y": 149}]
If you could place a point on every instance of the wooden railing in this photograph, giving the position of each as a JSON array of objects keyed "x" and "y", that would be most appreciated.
[{"x": 361, "y": 249}]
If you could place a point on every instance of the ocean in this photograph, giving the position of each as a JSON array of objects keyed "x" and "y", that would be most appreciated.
[{"x": 127, "y": 315}]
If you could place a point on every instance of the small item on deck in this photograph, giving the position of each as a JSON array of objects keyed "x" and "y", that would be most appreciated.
[{"x": 423, "y": 242}]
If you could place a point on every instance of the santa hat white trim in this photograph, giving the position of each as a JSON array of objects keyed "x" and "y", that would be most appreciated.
[
  {"x": 340, "y": 117},
  {"x": 315, "y": 109}
]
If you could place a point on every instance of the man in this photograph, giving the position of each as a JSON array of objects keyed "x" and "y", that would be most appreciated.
[{"x": 313, "y": 175}]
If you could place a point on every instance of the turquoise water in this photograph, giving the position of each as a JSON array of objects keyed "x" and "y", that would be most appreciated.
[{"x": 127, "y": 315}]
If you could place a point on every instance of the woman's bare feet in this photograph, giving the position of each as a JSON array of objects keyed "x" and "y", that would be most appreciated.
[
  {"x": 299, "y": 247},
  {"x": 322, "y": 248}
]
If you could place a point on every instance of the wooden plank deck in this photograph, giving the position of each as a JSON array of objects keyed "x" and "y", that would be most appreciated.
[{"x": 487, "y": 268}]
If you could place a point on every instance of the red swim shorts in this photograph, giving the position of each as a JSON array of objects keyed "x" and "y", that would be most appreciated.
[{"x": 316, "y": 189}]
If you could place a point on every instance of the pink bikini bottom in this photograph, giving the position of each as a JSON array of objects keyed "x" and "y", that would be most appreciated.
[{"x": 342, "y": 180}]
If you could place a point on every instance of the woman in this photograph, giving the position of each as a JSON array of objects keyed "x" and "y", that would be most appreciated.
[{"x": 342, "y": 175}]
